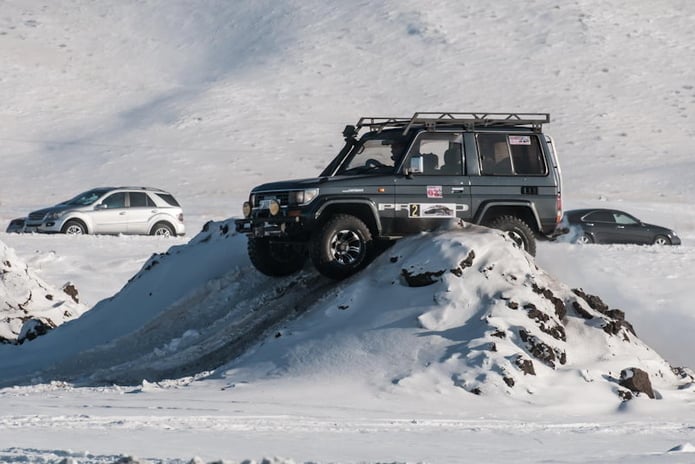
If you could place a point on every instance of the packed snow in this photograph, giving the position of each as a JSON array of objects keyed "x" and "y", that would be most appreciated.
[{"x": 177, "y": 350}]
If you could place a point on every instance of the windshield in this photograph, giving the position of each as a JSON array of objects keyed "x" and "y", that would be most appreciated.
[
  {"x": 373, "y": 155},
  {"x": 86, "y": 198}
]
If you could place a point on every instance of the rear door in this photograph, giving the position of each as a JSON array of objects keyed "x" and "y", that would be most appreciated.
[
  {"x": 140, "y": 210},
  {"x": 435, "y": 188}
]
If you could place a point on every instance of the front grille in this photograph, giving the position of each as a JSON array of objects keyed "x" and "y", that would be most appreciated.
[
  {"x": 282, "y": 197},
  {"x": 36, "y": 216}
]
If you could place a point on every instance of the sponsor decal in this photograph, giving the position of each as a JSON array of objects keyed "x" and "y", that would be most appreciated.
[
  {"x": 425, "y": 210},
  {"x": 519, "y": 140},
  {"x": 434, "y": 191},
  {"x": 353, "y": 190}
]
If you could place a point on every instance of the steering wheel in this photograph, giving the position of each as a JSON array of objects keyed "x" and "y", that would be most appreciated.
[{"x": 374, "y": 163}]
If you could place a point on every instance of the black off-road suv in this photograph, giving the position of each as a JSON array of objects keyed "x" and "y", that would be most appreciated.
[{"x": 403, "y": 176}]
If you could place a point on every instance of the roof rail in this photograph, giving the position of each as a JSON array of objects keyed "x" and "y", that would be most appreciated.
[{"x": 431, "y": 120}]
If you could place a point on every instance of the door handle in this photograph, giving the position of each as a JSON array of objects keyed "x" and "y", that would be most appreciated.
[
  {"x": 457, "y": 189},
  {"x": 620, "y": 227},
  {"x": 154, "y": 211},
  {"x": 122, "y": 213}
]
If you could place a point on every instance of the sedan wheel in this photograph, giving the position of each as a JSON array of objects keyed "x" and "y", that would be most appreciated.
[
  {"x": 662, "y": 240},
  {"x": 585, "y": 238}
]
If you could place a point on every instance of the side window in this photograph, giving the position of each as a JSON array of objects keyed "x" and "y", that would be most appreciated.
[
  {"x": 168, "y": 198},
  {"x": 116, "y": 200},
  {"x": 441, "y": 154},
  {"x": 509, "y": 155},
  {"x": 600, "y": 216},
  {"x": 527, "y": 156},
  {"x": 140, "y": 200},
  {"x": 621, "y": 218}
]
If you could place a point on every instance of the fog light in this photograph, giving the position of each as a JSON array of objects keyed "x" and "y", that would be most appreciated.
[
  {"x": 273, "y": 207},
  {"x": 246, "y": 209}
]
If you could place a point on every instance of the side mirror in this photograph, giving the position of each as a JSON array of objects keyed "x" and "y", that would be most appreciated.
[
  {"x": 100, "y": 206},
  {"x": 416, "y": 165}
]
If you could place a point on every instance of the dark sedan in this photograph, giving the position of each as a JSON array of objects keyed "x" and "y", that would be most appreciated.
[{"x": 613, "y": 226}]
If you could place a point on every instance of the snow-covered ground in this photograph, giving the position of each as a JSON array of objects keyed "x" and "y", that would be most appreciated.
[{"x": 207, "y": 100}]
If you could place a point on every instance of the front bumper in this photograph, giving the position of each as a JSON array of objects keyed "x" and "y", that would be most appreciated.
[{"x": 271, "y": 226}]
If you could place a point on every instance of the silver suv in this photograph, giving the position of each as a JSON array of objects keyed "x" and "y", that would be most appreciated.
[{"x": 111, "y": 210}]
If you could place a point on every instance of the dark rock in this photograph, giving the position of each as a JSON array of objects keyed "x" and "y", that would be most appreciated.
[
  {"x": 538, "y": 349},
  {"x": 512, "y": 305},
  {"x": 499, "y": 334},
  {"x": 637, "y": 381},
  {"x": 526, "y": 365},
  {"x": 33, "y": 328},
  {"x": 581, "y": 311},
  {"x": 593, "y": 301},
  {"x": 509, "y": 381},
  {"x": 71, "y": 291},
  {"x": 421, "y": 280}
]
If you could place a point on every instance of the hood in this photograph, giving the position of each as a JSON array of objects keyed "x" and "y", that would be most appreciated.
[
  {"x": 296, "y": 184},
  {"x": 55, "y": 209},
  {"x": 663, "y": 230},
  {"x": 299, "y": 184}
]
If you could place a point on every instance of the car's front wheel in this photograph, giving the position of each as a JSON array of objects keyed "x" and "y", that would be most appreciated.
[
  {"x": 275, "y": 259},
  {"x": 341, "y": 247},
  {"x": 73, "y": 227},
  {"x": 517, "y": 230},
  {"x": 661, "y": 240}
]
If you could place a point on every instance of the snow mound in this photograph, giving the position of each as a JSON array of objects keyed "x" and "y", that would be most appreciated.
[
  {"x": 461, "y": 310},
  {"x": 29, "y": 307}
]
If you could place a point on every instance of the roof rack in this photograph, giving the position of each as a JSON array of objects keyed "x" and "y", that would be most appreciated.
[{"x": 431, "y": 120}]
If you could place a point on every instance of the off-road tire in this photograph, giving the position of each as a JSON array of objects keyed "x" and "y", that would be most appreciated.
[
  {"x": 517, "y": 229},
  {"x": 275, "y": 259},
  {"x": 74, "y": 227},
  {"x": 341, "y": 247},
  {"x": 162, "y": 229}
]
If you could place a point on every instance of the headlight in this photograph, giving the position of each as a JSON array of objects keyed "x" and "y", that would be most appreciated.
[
  {"x": 274, "y": 207},
  {"x": 246, "y": 209},
  {"x": 55, "y": 215},
  {"x": 302, "y": 197}
]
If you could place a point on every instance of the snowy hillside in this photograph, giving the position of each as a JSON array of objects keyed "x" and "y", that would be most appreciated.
[
  {"x": 30, "y": 307},
  {"x": 208, "y": 99}
]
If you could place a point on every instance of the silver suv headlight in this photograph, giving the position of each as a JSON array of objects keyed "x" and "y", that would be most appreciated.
[
  {"x": 303, "y": 197},
  {"x": 56, "y": 215}
]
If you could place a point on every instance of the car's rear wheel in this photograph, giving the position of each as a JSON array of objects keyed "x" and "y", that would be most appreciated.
[
  {"x": 275, "y": 259},
  {"x": 585, "y": 239},
  {"x": 517, "y": 230},
  {"x": 74, "y": 227},
  {"x": 341, "y": 247},
  {"x": 162, "y": 229},
  {"x": 661, "y": 240}
]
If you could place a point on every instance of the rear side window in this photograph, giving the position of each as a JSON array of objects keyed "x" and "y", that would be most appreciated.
[
  {"x": 140, "y": 200},
  {"x": 510, "y": 155},
  {"x": 168, "y": 198}
]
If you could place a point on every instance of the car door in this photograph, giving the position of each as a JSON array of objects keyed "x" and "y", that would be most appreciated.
[
  {"x": 435, "y": 187},
  {"x": 110, "y": 215},
  {"x": 140, "y": 209},
  {"x": 632, "y": 230},
  {"x": 601, "y": 224}
]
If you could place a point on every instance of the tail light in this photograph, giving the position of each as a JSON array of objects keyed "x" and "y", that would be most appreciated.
[
  {"x": 558, "y": 206},
  {"x": 180, "y": 217}
]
